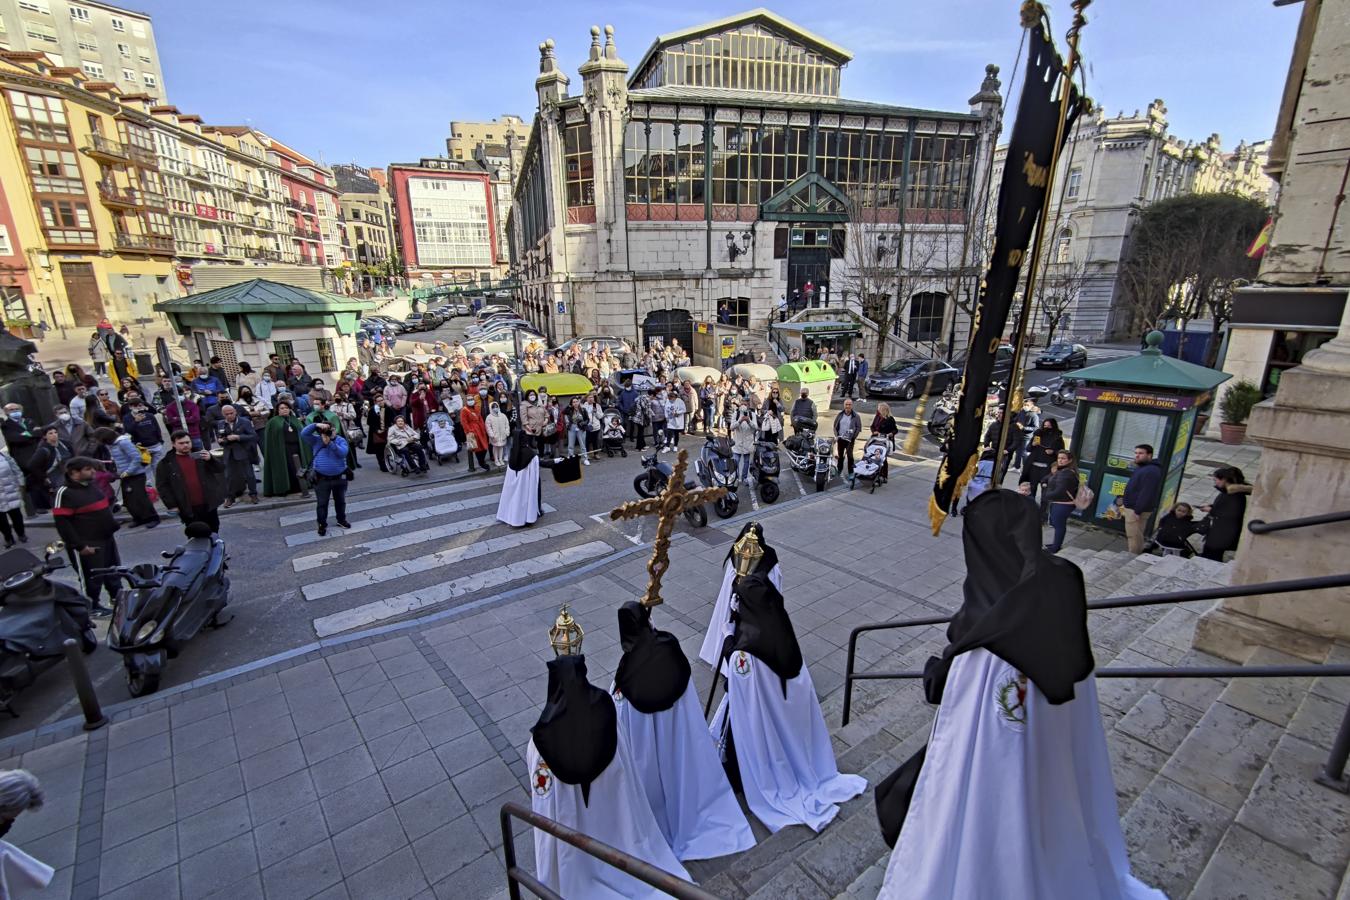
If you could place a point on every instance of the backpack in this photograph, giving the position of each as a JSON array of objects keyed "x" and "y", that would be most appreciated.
[{"x": 1083, "y": 499}]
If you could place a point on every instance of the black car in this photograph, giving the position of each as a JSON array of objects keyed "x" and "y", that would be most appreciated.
[
  {"x": 907, "y": 378},
  {"x": 1062, "y": 356}
]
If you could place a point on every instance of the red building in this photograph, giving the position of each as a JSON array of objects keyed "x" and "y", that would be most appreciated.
[
  {"x": 446, "y": 220},
  {"x": 312, "y": 204}
]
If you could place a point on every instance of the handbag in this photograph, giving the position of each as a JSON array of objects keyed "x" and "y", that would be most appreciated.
[{"x": 471, "y": 442}]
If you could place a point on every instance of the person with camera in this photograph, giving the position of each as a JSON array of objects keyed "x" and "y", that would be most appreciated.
[
  {"x": 192, "y": 482},
  {"x": 329, "y": 451},
  {"x": 239, "y": 441}
]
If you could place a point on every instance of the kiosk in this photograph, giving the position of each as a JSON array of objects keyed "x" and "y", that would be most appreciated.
[
  {"x": 1145, "y": 399},
  {"x": 816, "y": 376}
]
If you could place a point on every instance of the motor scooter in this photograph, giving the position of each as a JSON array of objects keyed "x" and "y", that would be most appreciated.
[
  {"x": 715, "y": 468},
  {"x": 653, "y": 480},
  {"x": 161, "y": 608},
  {"x": 37, "y": 615},
  {"x": 1064, "y": 390},
  {"x": 943, "y": 410},
  {"x": 764, "y": 468}
]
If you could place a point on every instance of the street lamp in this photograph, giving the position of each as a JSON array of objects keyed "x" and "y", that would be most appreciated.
[{"x": 734, "y": 249}]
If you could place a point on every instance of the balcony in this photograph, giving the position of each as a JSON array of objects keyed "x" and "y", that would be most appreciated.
[
  {"x": 308, "y": 235},
  {"x": 154, "y": 200},
  {"x": 117, "y": 197},
  {"x": 143, "y": 243},
  {"x": 196, "y": 173},
  {"x": 103, "y": 148},
  {"x": 146, "y": 159},
  {"x": 70, "y": 239}
]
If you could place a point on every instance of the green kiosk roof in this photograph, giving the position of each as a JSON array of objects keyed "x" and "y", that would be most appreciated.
[
  {"x": 260, "y": 296},
  {"x": 1151, "y": 369}
]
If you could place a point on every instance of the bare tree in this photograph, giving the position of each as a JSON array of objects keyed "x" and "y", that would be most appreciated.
[{"x": 1058, "y": 290}]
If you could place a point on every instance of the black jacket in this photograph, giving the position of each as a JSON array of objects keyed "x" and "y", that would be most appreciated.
[
  {"x": 1223, "y": 525},
  {"x": 83, "y": 515},
  {"x": 173, "y": 490},
  {"x": 21, "y": 438},
  {"x": 246, "y": 448},
  {"x": 1143, "y": 488}
]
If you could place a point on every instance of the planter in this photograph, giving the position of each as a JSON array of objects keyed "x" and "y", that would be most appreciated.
[
  {"x": 1232, "y": 434},
  {"x": 1201, "y": 423}
]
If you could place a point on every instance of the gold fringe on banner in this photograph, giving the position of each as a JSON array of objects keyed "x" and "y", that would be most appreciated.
[{"x": 937, "y": 515}]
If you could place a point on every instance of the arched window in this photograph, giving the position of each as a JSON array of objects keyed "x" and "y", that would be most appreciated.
[
  {"x": 1064, "y": 247},
  {"x": 926, "y": 312}
]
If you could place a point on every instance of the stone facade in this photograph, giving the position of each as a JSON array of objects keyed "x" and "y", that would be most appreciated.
[
  {"x": 1110, "y": 169},
  {"x": 599, "y": 250}
]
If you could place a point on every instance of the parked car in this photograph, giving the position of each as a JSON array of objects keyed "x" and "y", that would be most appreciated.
[
  {"x": 420, "y": 321},
  {"x": 491, "y": 310},
  {"x": 383, "y": 323},
  {"x": 1062, "y": 356},
  {"x": 496, "y": 325},
  {"x": 1003, "y": 361},
  {"x": 907, "y": 378},
  {"x": 615, "y": 344},
  {"x": 501, "y": 331},
  {"x": 450, "y": 310},
  {"x": 503, "y": 344}
]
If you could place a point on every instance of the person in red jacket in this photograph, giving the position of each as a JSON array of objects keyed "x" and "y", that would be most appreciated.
[{"x": 475, "y": 432}]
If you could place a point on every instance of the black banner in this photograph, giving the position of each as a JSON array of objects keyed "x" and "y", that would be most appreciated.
[{"x": 1021, "y": 197}]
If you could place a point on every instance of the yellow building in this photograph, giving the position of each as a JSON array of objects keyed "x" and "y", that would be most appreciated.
[
  {"x": 89, "y": 231},
  {"x": 466, "y": 136}
]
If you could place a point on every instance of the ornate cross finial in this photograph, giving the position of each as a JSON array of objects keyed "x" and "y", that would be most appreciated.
[{"x": 667, "y": 507}]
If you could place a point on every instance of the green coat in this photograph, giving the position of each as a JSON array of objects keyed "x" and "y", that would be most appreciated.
[{"x": 277, "y": 476}]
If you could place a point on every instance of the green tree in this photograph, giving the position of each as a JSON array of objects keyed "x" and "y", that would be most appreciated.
[{"x": 1186, "y": 256}]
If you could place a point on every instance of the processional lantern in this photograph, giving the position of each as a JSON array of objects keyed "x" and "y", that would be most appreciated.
[{"x": 566, "y": 634}]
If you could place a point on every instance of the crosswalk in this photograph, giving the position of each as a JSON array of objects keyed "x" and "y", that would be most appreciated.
[{"x": 420, "y": 551}]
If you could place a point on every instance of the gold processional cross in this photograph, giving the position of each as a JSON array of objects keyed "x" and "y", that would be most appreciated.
[{"x": 667, "y": 507}]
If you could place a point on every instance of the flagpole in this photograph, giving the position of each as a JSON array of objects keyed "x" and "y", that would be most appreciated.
[{"x": 1033, "y": 264}]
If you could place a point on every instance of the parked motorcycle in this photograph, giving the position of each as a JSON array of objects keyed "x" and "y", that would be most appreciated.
[
  {"x": 764, "y": 468},
  {"x": 824, "y": 463},
  {"x": 716, "y": 467},
  {"x": 801, "y": 446},
  {"x": 37, "y": 614},
  {"x": 943, "y": 410},
  {"x": 163, "y": 607},
  {"x": 1064, "y": 390},
  {"x": 653, "y": 480}
]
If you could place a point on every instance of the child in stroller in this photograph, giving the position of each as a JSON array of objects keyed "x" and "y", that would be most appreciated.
[
  {"x": 441, "y": 433},
  {"x": 869, "y": 468},
  {"x": 611, "y": 433}
]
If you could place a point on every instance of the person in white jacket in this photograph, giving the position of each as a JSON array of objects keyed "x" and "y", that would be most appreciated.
[
  {"x": 743, "y": 434},
  {"x": 498, "y": 431},
  {"x": 676, "y": 411}
]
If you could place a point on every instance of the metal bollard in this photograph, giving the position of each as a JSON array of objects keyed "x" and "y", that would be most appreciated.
[
  {"x": 84, "y": 687},
  {"x": 1333, "y": 773}
]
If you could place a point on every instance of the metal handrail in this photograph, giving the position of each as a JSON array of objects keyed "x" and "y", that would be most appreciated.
[
  {"x": 1259, "y": 526},
  {"x": 610, "y": 856},
  {"x": 1219, "y": 593}
]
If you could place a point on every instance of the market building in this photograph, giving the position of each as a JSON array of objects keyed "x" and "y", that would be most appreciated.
[{"x": 726, "y": 170}]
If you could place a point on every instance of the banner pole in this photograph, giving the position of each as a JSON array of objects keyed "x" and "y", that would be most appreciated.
[{"x": 1033, "y": 264}]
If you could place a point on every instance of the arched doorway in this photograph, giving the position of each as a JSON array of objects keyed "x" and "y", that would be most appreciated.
[{"x": 668, "y": 325}]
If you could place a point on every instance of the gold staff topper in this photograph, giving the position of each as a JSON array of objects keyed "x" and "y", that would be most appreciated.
[
  {"x": 748, "y": 551},
  {"x": 566, "y": 635},
  {"x": 667, "y": 507}
]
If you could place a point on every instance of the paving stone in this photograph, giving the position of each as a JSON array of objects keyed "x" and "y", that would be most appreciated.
[
  {"x": 465, "y": 752},
  {"x": 1317, "y": 721},
  {"x": 481, "y": 879},
  {"x": 286, "y": 835},
  {"x": 350, "y": 659},
  {"x": 59, "y": 755},
  {"x": 396, "y": 877},
  {"x": 1272, "y": 699},
  {"x": 416, "y": 682},
  {"x": 200, "y": 732},
  {"x": 248, "y": 692},
  {"x": 130, "y": 757},
  {"x": 1246, "y": 865},
  {"x": 485, "y": 781},
  {"x": 364, "y": 699},
  {"x": 425, "y": 812},
  {"x": 204, "y": 707},
  {"x": 431, "y": 703},
  {"x": 1289, "y": 808},
  {"x": 138, "y": 784},
  {"x": 213, "y": 826},
  {"x": 271, "y": 706},
  {"x": 405, "y": 664},
  {"x": 56, "y": 849},
  {"x": 270, "y": 765},
  {"x": 316, "y": 712},
  {"x": 135, "y": 859},
  {"x": 304, "y": 874},
  {"x": 255, "y": 736},
  {"x": 1134, "y": 765},
  {"x": 341, "y": 770},
  {"x": 1223, "y": 755},
  {"x": 209, "y": 790},
  {"x": 369, "y": 841},
  {"x": 792, "y": 883},
  {"x": 449, "y": 848},
  {"x": 396, "y": 746},
  {"x": 343, "y": 809},
  {"x": 138, "y": 728},
  {"x": 162, "y": 885},
  {"x": 390, "y": 717},
  {"x": 1159, "y": 722},
  {"x": 133, "y": 820},
  {"x": 307, "y": 673},
  {"x": 836, "y": 859},
  {"x": 1170, "y": 833},
  {"x": 412, "y": 776},
  {"x": 205, "y": 759},
  {"x": 282, "y": 796},
  {"x": 249, "y": 887},
  {"x": 202, "y": 875},
  {"x": 330, "y": 741}
]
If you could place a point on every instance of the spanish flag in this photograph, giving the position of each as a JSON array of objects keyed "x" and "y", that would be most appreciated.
[{"x": 1258, "y": 247}]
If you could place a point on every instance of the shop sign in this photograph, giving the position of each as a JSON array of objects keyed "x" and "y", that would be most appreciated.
[
  {"x": 1119, "y": 397},
  {"x": 207, "y": 212}
]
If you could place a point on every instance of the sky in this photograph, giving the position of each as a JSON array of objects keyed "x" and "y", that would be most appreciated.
[{"x": 379, "y": 82}]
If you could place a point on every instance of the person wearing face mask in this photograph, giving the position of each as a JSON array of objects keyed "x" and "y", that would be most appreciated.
[
  {"x": 11, "y": 500},
  {"x": 498, "y": 430},
  {"x": 131, "y": 469},
  {"x": 74, "y": 432},
  {"x": 46, "y": 467},
  {"x": 475, "y": 432},
  {"x": 533, "y": 418},
  {"x": 267, "y": 391},
  {"x": 378, "y": 420},
  {"x": 19, "y": 433},
  {"x": 84, "y": 520}
]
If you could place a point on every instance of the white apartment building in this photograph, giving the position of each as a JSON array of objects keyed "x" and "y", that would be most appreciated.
[{"x": 107, "y": 42}]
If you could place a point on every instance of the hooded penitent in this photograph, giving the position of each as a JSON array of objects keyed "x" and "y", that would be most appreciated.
[
  {"x": 762, "y": 626},
  {"x": 653, "y": 672},
  {"x": 577, "y": 732}
]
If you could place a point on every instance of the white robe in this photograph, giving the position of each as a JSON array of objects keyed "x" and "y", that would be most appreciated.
[
  {"x": 783, "y": 749},
  {"x": 1012, "y": 800},
  {"x": 719, "y": 626},
  {"x": 519, "y": 504},
  {"x": 618, "y": 814},
  {"x": 677, "y": 764}
]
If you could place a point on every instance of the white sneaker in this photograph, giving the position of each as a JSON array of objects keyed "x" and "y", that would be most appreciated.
[{"x": 585, "y": 461}]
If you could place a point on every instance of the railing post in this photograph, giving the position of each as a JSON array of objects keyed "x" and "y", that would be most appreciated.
[
  {"x": 84, "y": 688},
  {"x": 848, "y": 676},
  {"x": 509, "y": 854},
  {"x": 1333, "y": 773}
]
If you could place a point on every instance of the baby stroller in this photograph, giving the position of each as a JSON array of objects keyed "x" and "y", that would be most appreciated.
[
  {"x": 869, "y": 467},
  {"x": 441, "y": 437},
  {"x": 611, "y": 433}
]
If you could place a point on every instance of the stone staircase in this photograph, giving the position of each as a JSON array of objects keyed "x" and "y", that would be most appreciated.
[{"x": 1214, "y": 778}]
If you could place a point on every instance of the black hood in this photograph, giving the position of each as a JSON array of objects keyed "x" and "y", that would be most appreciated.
[
  {"x": 1023, "y": 604},
  {"x": 577, "y": 733},
  {"x": 521, "y": 453},
  {"x": 770, "y": 557},
  {"x": 653, "y": 672},
  {"x": 762, "y": 626}
]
